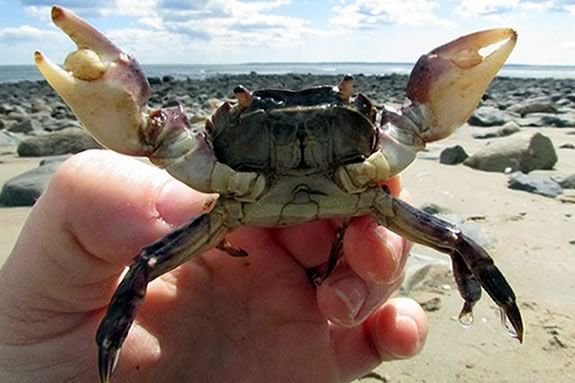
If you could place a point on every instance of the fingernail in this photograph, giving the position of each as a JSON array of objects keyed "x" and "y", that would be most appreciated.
[
  {"x": 404, "y": 321},
  {"x": 352, "y": 291},
  {"x": 175, "y": 201}
]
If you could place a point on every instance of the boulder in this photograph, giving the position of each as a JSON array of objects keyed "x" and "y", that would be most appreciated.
[
  {"x": 544, "y": 186},
  {"x": 453, "y": 155},
  {"x": 26, "y": 125},
  {"x": 66, "y": 141},
  {"x": 535, "y": 105},
  {"x": 25, "y": 189},
  {"x": 565, "y": 182},
  {"x": 507, "y": 129},
  {"x": 489, "y": 116},
  {"x": 516, "y": 153},
  {"x": 6, "y": 139},
  {"x": 540, "y": 120}
]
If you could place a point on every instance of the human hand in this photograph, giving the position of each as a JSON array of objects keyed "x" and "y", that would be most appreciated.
[{"x": 215, "y": 318}]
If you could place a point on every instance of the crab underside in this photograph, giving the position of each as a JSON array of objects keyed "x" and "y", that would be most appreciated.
[{"x": 280, "y": 157}]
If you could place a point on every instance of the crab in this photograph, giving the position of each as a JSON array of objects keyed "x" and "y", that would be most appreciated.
[{"x": 281, "y": 157}]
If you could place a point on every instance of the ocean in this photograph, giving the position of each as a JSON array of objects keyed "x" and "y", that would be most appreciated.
[{"x": 13, "y": 73}]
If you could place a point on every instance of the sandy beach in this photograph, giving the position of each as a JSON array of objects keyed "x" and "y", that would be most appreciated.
[{"x": 531, "y": 237}]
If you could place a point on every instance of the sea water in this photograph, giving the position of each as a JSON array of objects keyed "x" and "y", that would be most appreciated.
[{"x": 13, "y": 73}]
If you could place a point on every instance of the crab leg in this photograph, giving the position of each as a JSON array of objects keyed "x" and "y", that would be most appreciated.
[
  {"x": 107, "y": 90},
  {"x": 472, "y": 264},
  {"x": 183, "y": 243}
]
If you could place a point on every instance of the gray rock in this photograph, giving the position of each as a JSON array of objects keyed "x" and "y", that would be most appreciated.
[
  {"x": 40, "y": 105},
  {"x": 540, "y": 120},
  {"x": 535, "y": 105},
  {"x": 17, "y": 116},
  {"x": 507, "y": 129},
  {"x": 7, "y": 139},
  {"x": 51, "y": 160},
  {"x": 516, "y": 153},
  {"x": 25, "y": 189},
  {"x": 26, "y": 125},
  {"x": 567, "y": 145},
  {"x": 453, "y": 155},
  {"x": 489, "y": 116},
  {"x": 537, "y": 185},
  {"x": 6, "y": 108},
  {"x": 67, "y": 141},
  {"x": 565, "y": 182}
]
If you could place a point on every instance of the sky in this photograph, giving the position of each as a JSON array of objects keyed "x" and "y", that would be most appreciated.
[{"x": 244, "y": 31}]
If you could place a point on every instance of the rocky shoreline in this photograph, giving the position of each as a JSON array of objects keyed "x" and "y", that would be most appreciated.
[{"x": 35, "y": 121}]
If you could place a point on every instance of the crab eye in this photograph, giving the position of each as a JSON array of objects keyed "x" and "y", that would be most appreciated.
[{"x": 85, "y": 64}]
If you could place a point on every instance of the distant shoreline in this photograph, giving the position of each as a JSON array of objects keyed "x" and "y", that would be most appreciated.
[{"x": 15, "y": 73}]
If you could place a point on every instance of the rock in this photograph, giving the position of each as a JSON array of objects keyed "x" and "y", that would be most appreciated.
[
  {"x": 489, "y": 116},
  {"x": 453, "y": 155},
  {"x": 507, "y": 129},
  {"x": 39, "y": 105},
  {"x": 6, "y": 139},
  {"x": 567, "y": 146},
  {"x": 565, "y": 182},
  {"x": 537, "y": 185},
  {"x": 6, "y": 108},
  {"x": 430, "y": 305},
  {"x": 17, "y": 116},
  {"x": 517, "y": 153},
  {"x": 539, "y": 120},
  {"x": 25, "y": 189},
  {"x": 26, "y": 125},
  {"x": 51, "y": 160},
  {"x": 536, "y": 105},
  {"x": 568, "y": 196},
  {"x": 67, "y": 141}
]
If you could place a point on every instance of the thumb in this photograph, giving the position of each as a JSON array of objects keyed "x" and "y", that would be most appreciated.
[{"x": 97, "y": 213}]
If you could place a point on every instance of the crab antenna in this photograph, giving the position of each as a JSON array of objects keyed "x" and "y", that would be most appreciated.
[
  {"x": 243, "y": 95},
  {"x": 345, "y": 87}
]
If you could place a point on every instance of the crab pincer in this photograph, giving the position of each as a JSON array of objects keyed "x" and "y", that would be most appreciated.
[{"x": 105, "y": 87}]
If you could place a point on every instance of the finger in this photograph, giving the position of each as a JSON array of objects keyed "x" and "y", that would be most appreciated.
[
  {"x": 347, "y": 299},
  {"x": 397, "y": 330},
  {"x": 373, "y": 252},
  {"x": 310, "y": 243},
  {"x": 98, "y": 212}
]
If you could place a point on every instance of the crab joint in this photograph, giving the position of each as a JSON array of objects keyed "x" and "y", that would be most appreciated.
[
  {"x": 243, "y": 95},
  {"x": 345, "y": 87}
]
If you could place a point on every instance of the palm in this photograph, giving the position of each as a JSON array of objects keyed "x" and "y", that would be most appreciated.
[{"x": 238, "y": 319}]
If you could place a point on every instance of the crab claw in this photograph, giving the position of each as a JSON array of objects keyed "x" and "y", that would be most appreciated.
[
  {"x": 446, "y": 84},
  {"x": 106, "y": 88}
]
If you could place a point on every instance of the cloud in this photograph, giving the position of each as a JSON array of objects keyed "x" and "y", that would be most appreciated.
[
  {"x": 25, "y": 34},
  {"x": 368, "y": 14},
  {"x": 232, "y": 22},
  {"x": 487, "y": 7},
  {"x": 499, "y": 7}
]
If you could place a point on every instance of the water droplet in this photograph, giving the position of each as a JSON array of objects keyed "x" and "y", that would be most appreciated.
[
  {"x": 466, "y": 315},
  {"x": 507, "y": 324},
  {"x": 466, "y": 319}
]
